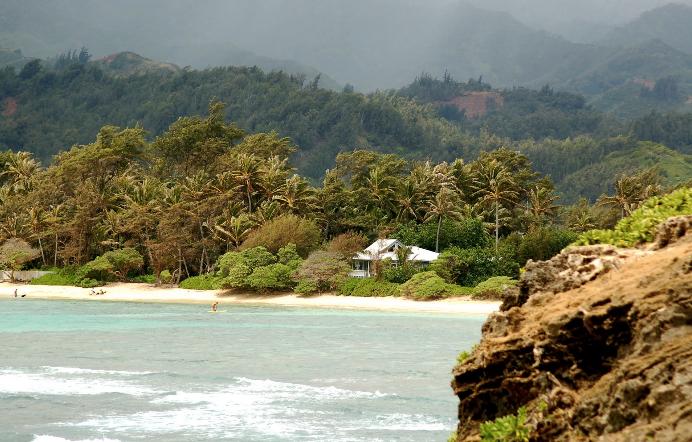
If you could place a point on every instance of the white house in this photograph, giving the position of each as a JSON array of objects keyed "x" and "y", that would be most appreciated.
[{"x": 387, "y": 249}]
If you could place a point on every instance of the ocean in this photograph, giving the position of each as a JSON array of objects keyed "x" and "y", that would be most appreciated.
[{"x": 101, "y": 371}]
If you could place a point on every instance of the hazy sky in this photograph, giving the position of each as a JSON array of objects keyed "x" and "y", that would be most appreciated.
[{"x": 352, "y": 41}]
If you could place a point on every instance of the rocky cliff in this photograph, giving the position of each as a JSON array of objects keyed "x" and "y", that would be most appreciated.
[{"x": 596, "y": 344}]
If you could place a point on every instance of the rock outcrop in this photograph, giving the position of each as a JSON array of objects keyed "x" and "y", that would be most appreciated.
[{"x": 596, "y": 343}]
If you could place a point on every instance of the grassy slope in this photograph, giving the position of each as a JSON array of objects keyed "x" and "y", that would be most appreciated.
[{"x": 596, "y": 179}]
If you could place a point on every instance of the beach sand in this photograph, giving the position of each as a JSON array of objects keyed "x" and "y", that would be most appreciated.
[{"x": 148, "y": 293}]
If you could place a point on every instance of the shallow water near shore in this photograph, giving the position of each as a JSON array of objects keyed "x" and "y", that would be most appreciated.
[{"x": 82, "y": 371}]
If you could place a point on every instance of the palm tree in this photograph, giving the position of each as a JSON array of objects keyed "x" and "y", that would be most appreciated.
[
  {"x": 444, "y": 205},
  {"x": 20, "y": 171},
  {"x": 631, "y": 190},
  {"x": 235, "y": 229},
  {"x": 296, "y": 195},
  {"x": 494, "y": 186},
  {"x": 247, "y": 176},
  {"x": 540, "y": 204}
]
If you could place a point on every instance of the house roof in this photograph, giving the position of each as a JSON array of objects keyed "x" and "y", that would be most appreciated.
[{"x": 386, "y": 249}]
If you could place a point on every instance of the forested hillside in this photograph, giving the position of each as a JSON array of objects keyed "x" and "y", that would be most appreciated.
[{"x": 46, "y": 110}]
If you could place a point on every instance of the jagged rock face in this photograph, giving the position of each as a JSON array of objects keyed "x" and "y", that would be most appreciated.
[
  {"x": 596, "y": 342},
  {"x": 672, "y": 230}
]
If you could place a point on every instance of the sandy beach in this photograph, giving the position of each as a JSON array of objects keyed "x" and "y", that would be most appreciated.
[{"x": 149, "y": 293}]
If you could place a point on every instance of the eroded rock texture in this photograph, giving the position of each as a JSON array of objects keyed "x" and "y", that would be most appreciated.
[{"x": 596, "y": 343}]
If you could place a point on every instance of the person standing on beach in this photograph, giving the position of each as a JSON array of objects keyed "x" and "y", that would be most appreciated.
[
  {"x": 15, "y": 293},
  {"x": 214, "y": 305}
]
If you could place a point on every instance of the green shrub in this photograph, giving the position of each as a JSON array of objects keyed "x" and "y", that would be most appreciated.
[
  {"x": 306, "y": 287},
  {"x": 506, "y": 429},
  {"x": 426, "y": 286},
  {"x": 258, "y": 269},
  {"x": 324, "y": 271},
  {"x": 99, "y": 269},
  {"x": 400, "y": 274},
  {"x": 493, "y": 288},
  {"x": 640, "y": 226},
  {"x": 468, "y": 267},
  {"x": 59, "y": 277},
  {"x": 88, "y": 283},
  {"x": 368, "y": 287},
  {"x": 111, "y": 265},
  {"x": 201, "y": 282},
  {"x": 271, "y": 277},
  {"x": 165, "y": 277},
  {"x": 284, "y": 230},
  {"x": 463, "y": 356},
  {"x": 146, "y": 279},
  {"x": 539, "y": 244}
]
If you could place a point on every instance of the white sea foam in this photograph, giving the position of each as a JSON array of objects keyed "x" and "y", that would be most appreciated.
[
  {"x": 250, "y": 408},
  {"x": 45, "y": 383},
  {"x": 74, "y": 370},
  {"x": 47, "y": 438}
]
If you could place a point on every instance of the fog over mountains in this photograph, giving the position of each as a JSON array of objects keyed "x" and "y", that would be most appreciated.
[{"x": 368, "y": 43}]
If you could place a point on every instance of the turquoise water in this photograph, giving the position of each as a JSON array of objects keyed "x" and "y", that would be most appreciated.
[{"x": 82, "y": 371}]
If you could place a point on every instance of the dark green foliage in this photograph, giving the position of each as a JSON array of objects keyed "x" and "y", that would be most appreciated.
[
  {"x": 428, "y": 286},
  {"x": 201, "y": 282},
  {"x": 79, "y": 100},
  {"x": 400, "y": 274},
  {"x": 258, "y": 269},
  {"x": 111, "y": 265},
  {"x": 146, "y": 279},
  {"x": 467, "y": 233},
  {"x": 468, "y": 267},
  {"x": 672, "y": 129},
  {"x": 539, "y": 244},
  {"x": 368, "y": 287}
]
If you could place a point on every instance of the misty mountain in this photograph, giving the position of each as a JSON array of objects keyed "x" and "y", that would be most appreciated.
[
  {"x": 671, "y": 24},
  {"x": 12, "y": 58},
  {"x": 374, "y": 44},
  {"x": 106, "y": 28}
]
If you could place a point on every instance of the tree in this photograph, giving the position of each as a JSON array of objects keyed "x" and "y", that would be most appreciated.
[
  {"x": 632, "y": 189},
  {"x": 284, "y": 230},
  {"x": 322, "y": 271},
  {"x": 346, "y": 245},
  {"x": 445, "y": 205},
  {"x": 495, "y": 185},
  {"x": 16, "y": 252},
  {"x": 30, "y": 70}
]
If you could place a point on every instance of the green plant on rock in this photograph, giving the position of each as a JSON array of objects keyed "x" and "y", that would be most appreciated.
[
  {"x": 640, "y": 226},
  {"x": 511, "y": 428}
]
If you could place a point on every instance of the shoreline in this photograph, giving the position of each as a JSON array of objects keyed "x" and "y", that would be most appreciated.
[{"x": 136, "y": 292}]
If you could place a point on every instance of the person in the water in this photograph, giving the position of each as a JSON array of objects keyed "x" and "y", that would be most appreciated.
[{"x": 214, "y": 305}]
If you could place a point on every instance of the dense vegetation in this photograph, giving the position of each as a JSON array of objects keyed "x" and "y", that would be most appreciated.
[
  {"x": 205, "y": 200},
  {"x": 45, "y": 109}
]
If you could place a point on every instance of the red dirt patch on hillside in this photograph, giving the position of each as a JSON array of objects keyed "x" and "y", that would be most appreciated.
[
  {"x": 9, "y": 107},
  {"x": 477, "y": 104}
]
